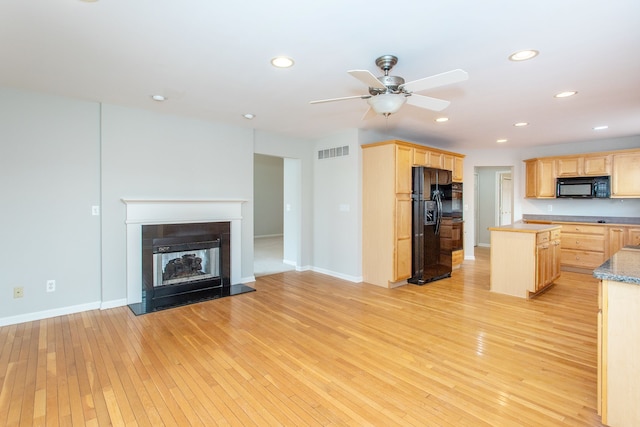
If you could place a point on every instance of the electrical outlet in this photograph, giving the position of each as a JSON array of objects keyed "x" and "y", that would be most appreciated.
[
  {"x": 18, "y": 292},
  {"x": 51, "y": 285},
  {"x": 549, "y": 208},
  {"x": 95, "y": 210}
]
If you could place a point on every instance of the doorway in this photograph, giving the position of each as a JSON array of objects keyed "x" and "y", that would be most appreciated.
[
  {"x": 493, "y": 200},
  {"x": 504, "y": 191},
  {"x": 276, "y": 231}
]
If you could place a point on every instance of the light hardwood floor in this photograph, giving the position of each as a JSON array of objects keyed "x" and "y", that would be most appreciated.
[{"x": 309, "y": 349}]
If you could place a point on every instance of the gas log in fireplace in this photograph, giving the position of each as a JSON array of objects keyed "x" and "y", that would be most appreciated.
[{"x": 184, "y": 264}]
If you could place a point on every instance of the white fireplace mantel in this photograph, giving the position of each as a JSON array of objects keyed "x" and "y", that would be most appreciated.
[{"x": 171, "y": 211}]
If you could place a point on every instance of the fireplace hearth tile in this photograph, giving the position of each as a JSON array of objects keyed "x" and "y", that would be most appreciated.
[{"x": 143, "y": 308}]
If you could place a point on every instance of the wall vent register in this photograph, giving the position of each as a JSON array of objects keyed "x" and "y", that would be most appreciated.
[{"x": 329, "y": 153}]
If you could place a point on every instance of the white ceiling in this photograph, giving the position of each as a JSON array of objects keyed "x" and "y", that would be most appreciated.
[{"x": 211, "y": 60}]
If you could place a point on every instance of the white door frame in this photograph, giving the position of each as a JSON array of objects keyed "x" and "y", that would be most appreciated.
[{"x": 500, "y": 177}]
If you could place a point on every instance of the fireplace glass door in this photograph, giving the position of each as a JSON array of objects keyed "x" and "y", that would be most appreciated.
[{"x": 185, "y": 262}]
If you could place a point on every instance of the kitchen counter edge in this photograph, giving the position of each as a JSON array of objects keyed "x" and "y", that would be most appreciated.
[
  {"x": 623, "y": 266},
  {"x": 520, "y": 227}
]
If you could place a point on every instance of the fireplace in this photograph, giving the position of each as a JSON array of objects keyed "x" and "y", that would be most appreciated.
[{"x": 182, "y": 251}]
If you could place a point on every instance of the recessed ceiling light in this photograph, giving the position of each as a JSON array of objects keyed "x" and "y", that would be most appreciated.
[
  {"x": 442, "y": 119},
  {"x": 523, "y": 55},
  {"x": 565, "y": 94},
  {"x": 603, "y": 127},
  {"x": 158, "y": 98},
  {"x": 501, "y": 141},
  {"x": 282, "y": 62},
  {"x": 521, "y": 124},
  {"x": 248, "y": 116}
]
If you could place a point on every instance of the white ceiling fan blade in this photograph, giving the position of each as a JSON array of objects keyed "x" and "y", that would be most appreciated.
[
  {"x": 453, "y": 76},
  {"x": 427, "y": 102},
  {"x": 369, "y": 114},
  {"x": 367, "y": 78},
  {"x": 340, "y": 99}
]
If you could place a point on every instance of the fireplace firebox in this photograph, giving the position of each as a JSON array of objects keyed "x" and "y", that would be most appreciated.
[{"x": 184, "y": 264}]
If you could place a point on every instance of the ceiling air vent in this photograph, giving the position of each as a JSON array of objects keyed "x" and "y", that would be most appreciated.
[{"x": 333, "y": 152}]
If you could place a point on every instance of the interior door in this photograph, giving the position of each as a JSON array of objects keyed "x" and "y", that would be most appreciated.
[{"x": 505, "y": 198}]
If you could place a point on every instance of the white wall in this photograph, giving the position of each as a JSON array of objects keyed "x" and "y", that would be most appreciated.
[
  {"x": 337, "y": 217},
  {"x": 62, "y": 156},
  {"x": 49, "y": 179},
  {"x": 146, "y": 155}
]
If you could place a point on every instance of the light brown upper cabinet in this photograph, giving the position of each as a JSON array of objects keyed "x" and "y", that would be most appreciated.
[
  {"x": 625, "y": 178},
  {"x": 435, "y": 159},
  {"x": 458, "y": 166},
  {"x": 569, "y": 166},
  {"x": 587, "y": 165},
  {"x": 597, "y": 165},
  {"x": 424, "y": 157},
  {"x": 623, "y": 166},
  {"x": 541, "y": 178}
]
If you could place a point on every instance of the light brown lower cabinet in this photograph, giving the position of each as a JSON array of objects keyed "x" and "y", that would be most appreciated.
[
  {"x": 618, "y": 349},
  {"x": 583, "y": 246},
  {"x": 456, "y": 258},
  {"x": 524, "y": 261}
]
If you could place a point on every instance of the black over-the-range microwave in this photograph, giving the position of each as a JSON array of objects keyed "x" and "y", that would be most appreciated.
[{"x": 595, "y": 187}]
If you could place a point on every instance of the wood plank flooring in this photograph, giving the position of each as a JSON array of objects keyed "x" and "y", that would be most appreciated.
[{"x": 307, "y": 349}]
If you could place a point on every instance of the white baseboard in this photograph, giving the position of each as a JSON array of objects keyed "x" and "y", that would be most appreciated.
[
  {"x": 264, "y": 236},
  {"x": 338, "y": 275},
  {"x": 39, "y": 315},
  {"x": 106, "y": 305},
  {"x": 470, "y": 257},
  {"x": 484, "y": 245}
]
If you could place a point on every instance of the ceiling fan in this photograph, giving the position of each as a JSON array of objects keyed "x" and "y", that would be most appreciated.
[{"x": 388, "y": 93}]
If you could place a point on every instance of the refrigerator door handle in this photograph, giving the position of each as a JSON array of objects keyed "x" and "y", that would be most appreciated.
[{"x": 438, "y": 212}]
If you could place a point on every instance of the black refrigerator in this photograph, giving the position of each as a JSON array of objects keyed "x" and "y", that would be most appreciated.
[{"x": 436, "y": 221}]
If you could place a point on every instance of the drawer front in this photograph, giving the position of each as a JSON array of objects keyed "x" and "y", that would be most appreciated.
[
  {"x": 586, "y": 229},
  {"x": 542, "y": 237},
  {"x": 582, "y": 259},
  {"x": 457, "y": 257},
  {"x": 585, "y": 242},
  {"x": 555, "y": 234}
]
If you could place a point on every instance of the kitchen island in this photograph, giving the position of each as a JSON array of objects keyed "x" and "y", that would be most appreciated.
[
  {"x": 525, "y": 258},
  {"x": 619, "y": 338}
]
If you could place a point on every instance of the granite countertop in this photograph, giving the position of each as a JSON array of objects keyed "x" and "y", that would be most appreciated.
[
  {"x": 584, "y": 219},
  {"x": 525, "y": 228},
  {"x": 623, "y": 266}
]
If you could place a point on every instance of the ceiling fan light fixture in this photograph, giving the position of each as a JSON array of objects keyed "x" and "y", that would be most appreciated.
[
  {"x": 523, "y": 55},
  {"x": 387, "y": 103},
  {"x": 442, "y": 119}
]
